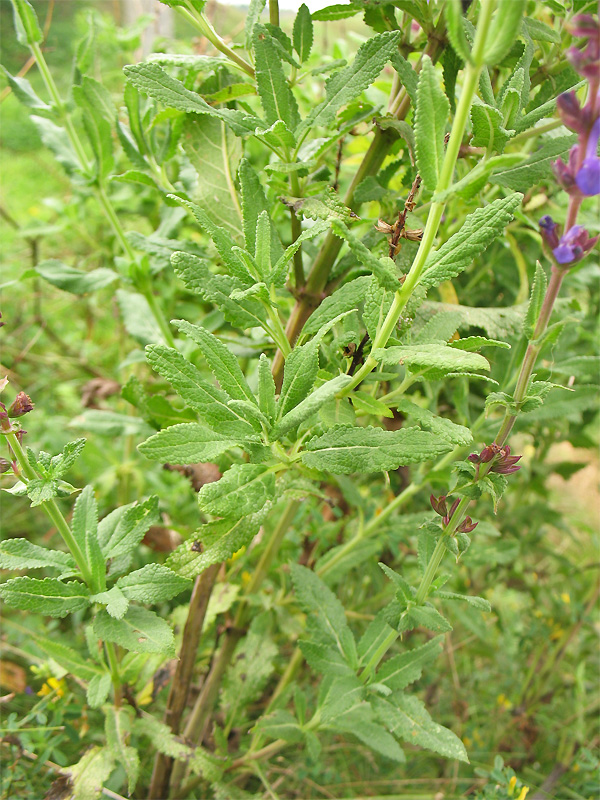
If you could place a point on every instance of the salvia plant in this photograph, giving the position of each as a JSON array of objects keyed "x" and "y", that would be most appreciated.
[{"x": 304, "y": 342}]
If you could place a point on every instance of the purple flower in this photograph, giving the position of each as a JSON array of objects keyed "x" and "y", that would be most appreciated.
[
  {"x": 549, "y": 230},
  {"x": 573, "y": 245},
  {"x": 566, "y": 173},
  {"x": 588, "y": 176},
  {"x": 587, "y": 61},
  {"x": 21, "y": 405}
]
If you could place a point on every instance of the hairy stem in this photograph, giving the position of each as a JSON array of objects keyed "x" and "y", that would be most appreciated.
[{"x": 200, "y": 22}]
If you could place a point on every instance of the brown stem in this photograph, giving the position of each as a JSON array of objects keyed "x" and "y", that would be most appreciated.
[{"x": 182, "y": 679}]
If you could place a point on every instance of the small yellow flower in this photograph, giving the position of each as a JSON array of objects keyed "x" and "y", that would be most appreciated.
[
  {"x": 566, "y": 598},
  {"x": 246, "y": 577},
  {"x": 467, "y": 742},
  {"x": 511, "y": 785},
  {"x": 523, "y": 794},
  {"x": 53, "y": 685},
  {"x": 503, "y": 701}
]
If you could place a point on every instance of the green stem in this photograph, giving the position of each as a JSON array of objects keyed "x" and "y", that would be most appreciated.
[
  {"x": 52, "y": 510},
  {"x": 296, "y": 231},
  {"x": 200, "y": 22},
  {"x": 378, "y": 655},
  {"x": 114, "y": 671},
  {"x": 436, "y": 211},
  {"x": 115, "y": 223}
]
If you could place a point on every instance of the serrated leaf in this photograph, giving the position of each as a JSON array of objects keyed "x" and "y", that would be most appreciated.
[
  {"x": 347, "y": 84},
  {"x": 383, "y": 269},
  {"x": 303, "y": 32},
  {"x": 407, "y": 718},
  {"x": 538, "y": 292},
  {"x": 274, "y": 91},
  {"x": 221, "y": 539},
  {"x": 438, "y": 357},
  {"x": 153, "y": 81},
  {"x": 477, "y": 602},
  {"x": 445, "y": 428},
  {"x": 152, "y": 584},
  {"x": 90, "y": 773},
  {"x": 214, "y": 152},
  {"x": 223, "y": 364},
  {"x": 140, "y": 630},
  {"x": 325, "y": 660},
  {"x": 454, "y": 26},
  {"x": 360, "y": 723},
  {"x": 477, "y": 233},
  {"x": 315, "y": 597},
  {"x": 347, "y": 297},
  {"x": 324, "y": 206},
  {"x": 189, "y": 443},
  {"x": 266, "y": 388},
  {"x": 537, "y": 168},
  {"x": 23, "y": 554},
  {"x": 23, "y": 91},
  {"x": 50, "y": 596},
  {"x": 401, "y": 670},
  {"x": 161, "y": 736},
  {"x": 98, "y": 690},
  {"x": 430, "y": 125},
  {"x": 310, "y": 405},
  {"x": 488, "y": 128},
  {"x": 344, "y": 449},
  {"x": 211, "y": 403},
  {"x": 243, "y": 489},
  {"x": 85, "y": 531},
  {"x": 280, "y": 724},
  {"x": 26, "y": 23},
  {"x": 117, "y": 727},
  {"x": 139, "y": 321},
  {"x": 123, "y": 529},
  {"x": 70, "y": 660},
  {"x": 114, "y": 601}
]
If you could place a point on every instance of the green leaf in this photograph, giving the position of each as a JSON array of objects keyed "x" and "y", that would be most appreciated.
[
  {"x": 186, "y": 264},
  {"x": 98, "y": 690},
  {"x": 56, "y": 140},
  {"x": 85, "y": 531},
  {"x": 408, "y": 78},
  {"x": 203, "y": 397},
  {"x": 97, "y": 128},
  {"x": 280, "y": 724},
  {"x": 310, "y": 405},
  {"x": 263, "y": 245},
  {"x": 537, "y": 168},
  {"x": 117, "y": 727},
  {"x": 303, "y": 32},
  {"x": 22, "y": 554},
  {"x": 359, "y": 722},
  {"x": 89, "y": 774},
  {"x": 503, "y": 31},
  {"x": 189, "y": 443},
  {"x": 140, "y": 322},
  {"x": 344, "y": 449},
  {"x": 152, "y": 584},
  {"x": 315, "y": 597},
  {"x": 221, "y": 539},
  {"x": 477, "y": 602},
  {"x": 347, "y": 297},
  {"x": 70, "y": 660},
  {"x": 540, "y": 31},
  {"x": 254, "y": 202},
  {"x": 488, "y": 127},
  {"x": 347, "y": 84},
  {"x": 266, "y": 388},
  {"x": 23, "y": 91},
  {"x": 26, "y": 23},
  {"x": 253, "y": 15},
  {"x": 140, "y": 630},
  {"x": 383, "y": 269},
  {"x": 214, "y": 152},
  {"x": 243, "y": 489},
  {"x": 123, "y": 529},
  {"x": 279, "y": 272},
  {"x": 114, "y": 600},
  {"x": 274, "y": 91},
  {"x": 455, "y": 29},
  {"x": 401, "y": 670},
  {"x": 477, "y": 233},
  {"x": 74, "y": 280},
  {"x": 441, "y": 426},
  {"x": 223, "y": 364},
  {"x": 326, "y": 206},
  {"x": 50, "y": 596},
  {"x": 430, "y": 125},
  {"x": 439, "y": 357},
  {"x": 154, "y": 82},
  {"x": 538, "y": 292},
  {"x": 161, "y": 737},
  {"x": 407, "y": 718},
  {"x": 325, "y": 660}
]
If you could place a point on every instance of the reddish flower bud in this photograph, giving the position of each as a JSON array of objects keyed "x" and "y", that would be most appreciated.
[
  {"x": 453, "y": 508},
  {"x": 439, "y": 505},
  {"x": 573, "y": 245},
  {"x": 467, "y": 525},
  {"x": 549, "y": 231},
  {"x": 570, "y": 111},
  {"x": 21, "y": 405},
  {"x": 5, "y": 465}
]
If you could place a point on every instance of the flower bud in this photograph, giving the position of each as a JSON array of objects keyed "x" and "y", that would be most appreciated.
[
  {"x": 21, "y": 405},
  {"x": 467, "y": 525},
  {"x": 5, "y": 465},
  {"x": 439, "y": 505},
  {"x": 573, "y": 245},
  {"x": 549, "y": 231}
]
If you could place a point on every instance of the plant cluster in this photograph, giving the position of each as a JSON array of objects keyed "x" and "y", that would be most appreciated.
[{"x": 308, "y": 378}]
